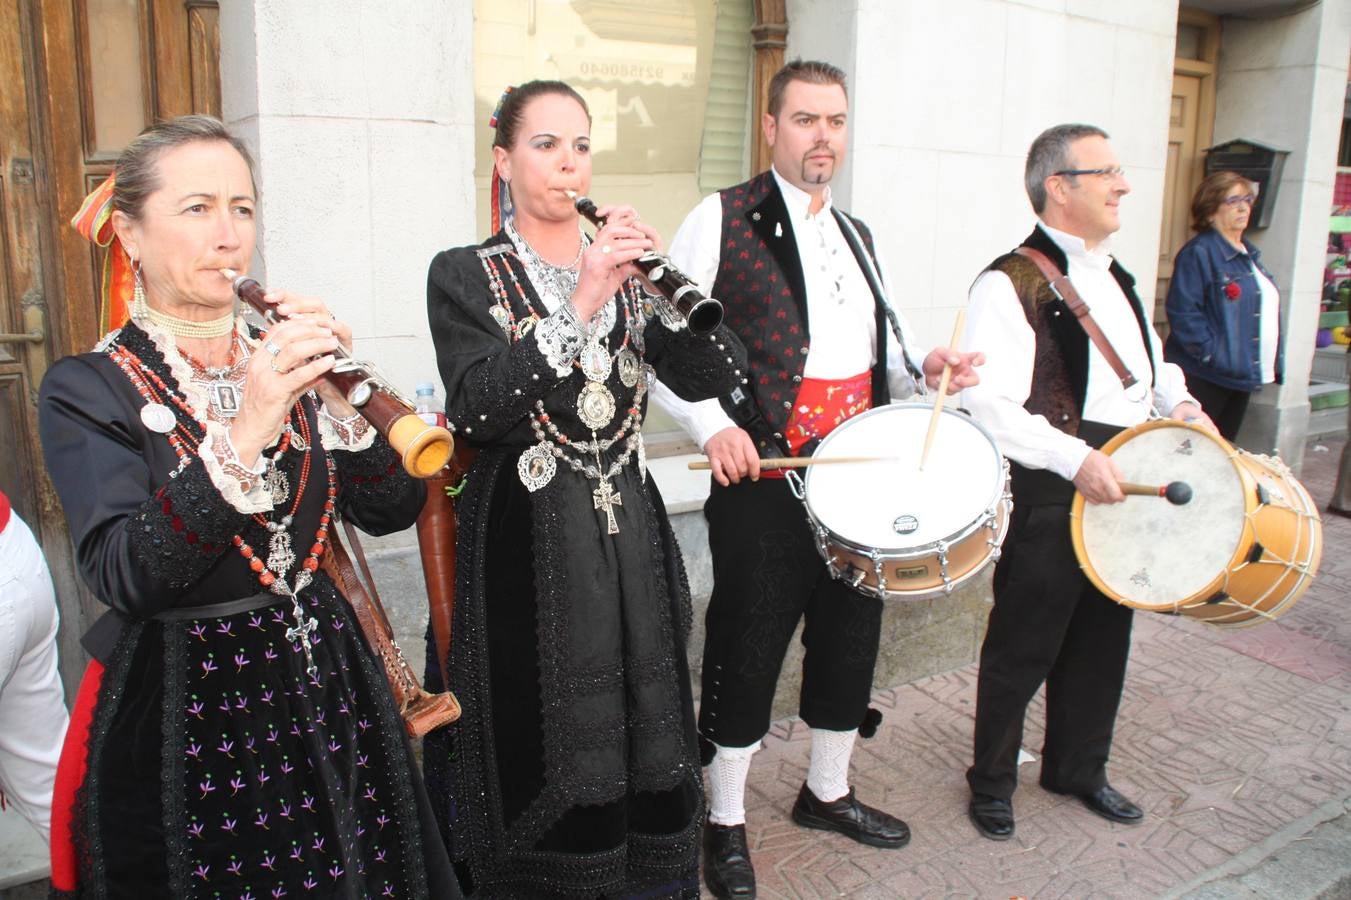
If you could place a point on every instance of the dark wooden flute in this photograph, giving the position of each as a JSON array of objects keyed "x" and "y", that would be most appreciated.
[
  {"x": 424, "y": 448},
  {"x": 702, "y": 314}
]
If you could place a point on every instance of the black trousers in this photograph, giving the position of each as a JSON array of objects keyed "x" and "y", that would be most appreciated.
[
  {"x": 768, "y": 575},
  {"x": 1225, "y": 406},
  {"x": 1049, "y": 624}
]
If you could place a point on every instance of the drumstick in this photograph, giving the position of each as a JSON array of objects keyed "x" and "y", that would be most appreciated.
[
  {"x": 798, "y": 462},
  {"x": 942, "y": 390},
  {"x": 1175, "y": 492}
]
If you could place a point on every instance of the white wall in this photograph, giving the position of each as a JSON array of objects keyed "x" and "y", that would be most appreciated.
[
  {"x": 1282, "y": 82},
  {"x": 361, "y": 121},
  {"x": 947, "y": 97}
]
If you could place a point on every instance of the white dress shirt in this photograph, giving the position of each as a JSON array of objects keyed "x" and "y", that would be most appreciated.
[
  {"x": 997, "y": 325},
  {"x": 1269, "y": 333},
  {"x": 840, "y": 305}
]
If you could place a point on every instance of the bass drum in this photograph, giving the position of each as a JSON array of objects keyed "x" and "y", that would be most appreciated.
[
  {"x": 893, "y": 531},
  {"x": 1241, "y": 551}
]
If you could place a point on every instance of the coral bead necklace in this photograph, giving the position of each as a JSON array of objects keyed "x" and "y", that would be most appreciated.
[{"x": 185, "y": 437}]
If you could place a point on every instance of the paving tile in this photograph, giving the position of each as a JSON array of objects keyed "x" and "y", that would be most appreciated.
[{"x": 1304, "y": 652}]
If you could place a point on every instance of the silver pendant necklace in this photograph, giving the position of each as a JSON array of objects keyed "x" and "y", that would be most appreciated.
[{"x": 278, "y": 485}]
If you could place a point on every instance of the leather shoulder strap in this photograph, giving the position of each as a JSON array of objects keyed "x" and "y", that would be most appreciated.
[
  {"x": 1064, "y": 289},
  {"x": 874, "y": 278}
]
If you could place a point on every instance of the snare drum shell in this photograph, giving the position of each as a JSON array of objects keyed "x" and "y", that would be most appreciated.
[
  {"x": 918, "y": 574},
  {"x": 956, "y": 507}
]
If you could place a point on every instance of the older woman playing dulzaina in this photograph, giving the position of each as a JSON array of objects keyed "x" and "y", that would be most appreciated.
[{"x": 233, "y": 735}]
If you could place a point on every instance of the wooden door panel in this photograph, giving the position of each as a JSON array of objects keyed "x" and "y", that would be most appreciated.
[
  {"x": 1191, "y": 122},
  {"x": 204, "y": 56},
  {"x": 1177, "y": 182}
]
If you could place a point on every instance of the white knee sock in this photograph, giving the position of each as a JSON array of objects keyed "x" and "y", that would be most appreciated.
[
  {"x": 828, "y": 777},
  {"x": 727, "y": 784}
]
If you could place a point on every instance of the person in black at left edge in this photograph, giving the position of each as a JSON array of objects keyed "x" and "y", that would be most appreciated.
[
  {"x": 573, "y": 771},
  {"x": 233, "y": 734}
]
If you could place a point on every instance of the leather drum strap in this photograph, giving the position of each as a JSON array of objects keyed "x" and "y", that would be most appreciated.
[{"x": 1064, "y": 289}]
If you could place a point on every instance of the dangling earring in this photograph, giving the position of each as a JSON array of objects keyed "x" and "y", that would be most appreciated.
[{"x": 140, "y": 310}]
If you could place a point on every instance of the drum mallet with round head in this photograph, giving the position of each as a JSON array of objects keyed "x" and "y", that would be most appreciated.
[{"x": 1175, "y": 492}]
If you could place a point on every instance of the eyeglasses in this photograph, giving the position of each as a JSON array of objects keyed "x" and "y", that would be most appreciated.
[
  {"x": 1248, "y": 199},
  {"x": 1112, "y": 172}
]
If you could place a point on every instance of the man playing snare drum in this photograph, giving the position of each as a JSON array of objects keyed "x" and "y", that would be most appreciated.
[
  {"x": 1051, "y": 397},
  {"x": 799, "y": 282}
]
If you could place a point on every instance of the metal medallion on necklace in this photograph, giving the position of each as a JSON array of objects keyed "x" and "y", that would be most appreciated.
[
  {"x": 556, "y": 284},
  {"x": 223, "y": 385}
]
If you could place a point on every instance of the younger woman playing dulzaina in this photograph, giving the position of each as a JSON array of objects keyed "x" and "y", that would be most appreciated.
[{"x": 574, "y": 771}]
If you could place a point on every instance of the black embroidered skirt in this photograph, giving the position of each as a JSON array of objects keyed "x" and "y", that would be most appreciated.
[
  {"x": 218, "y": 767},
  {"x": 573, "y": 772}
]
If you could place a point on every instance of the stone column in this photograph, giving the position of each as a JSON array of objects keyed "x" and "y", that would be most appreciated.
[
  {"x": 946, "y": 100},
  {"x": 360, "y": 116},
  {"x": 1282, "y": 82}
]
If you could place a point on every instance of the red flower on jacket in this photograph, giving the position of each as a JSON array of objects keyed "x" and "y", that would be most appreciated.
[{"x": 1232, "y": 290}]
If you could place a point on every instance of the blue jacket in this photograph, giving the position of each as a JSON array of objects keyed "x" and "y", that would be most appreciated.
[{"x": 1212, "y": 333}]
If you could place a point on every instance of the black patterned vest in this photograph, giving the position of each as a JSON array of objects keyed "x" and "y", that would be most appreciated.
[
  {"x": 1060, "y": 370},
  {"x": 1060, "y": 366},
  {"x": 764, "y": 295}
]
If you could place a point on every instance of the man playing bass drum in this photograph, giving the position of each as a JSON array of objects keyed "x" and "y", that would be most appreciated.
[{"x": 1051, "y": 397}]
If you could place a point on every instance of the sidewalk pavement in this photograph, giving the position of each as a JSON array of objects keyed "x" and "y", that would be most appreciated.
[{"x": 1236, "y": 742}]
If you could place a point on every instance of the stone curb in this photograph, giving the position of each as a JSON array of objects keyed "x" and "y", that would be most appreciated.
[{"x": 1309, "y": 858}]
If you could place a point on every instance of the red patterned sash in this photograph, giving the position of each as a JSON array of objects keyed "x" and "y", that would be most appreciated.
[{"x": 822, "y": 405}]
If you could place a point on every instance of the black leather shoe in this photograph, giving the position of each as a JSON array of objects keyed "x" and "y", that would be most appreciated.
[
  {"x": 992, "y": 816},
  {"x": 1107, "y": 802},
  {"x": 727, "y": 862},
  {"x": 850, "y": 818}
]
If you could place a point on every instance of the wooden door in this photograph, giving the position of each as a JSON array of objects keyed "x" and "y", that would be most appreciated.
[
  {"x": 78, "y": 80},
  {"x": 1191, "y": 122},
  {"x": 113, "y": 67},
  {"x": 23, "y": 346},
  {"x": 1178, "y": 180}
]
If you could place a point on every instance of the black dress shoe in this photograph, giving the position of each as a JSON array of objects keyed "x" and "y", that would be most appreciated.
[
  {"x": 850, "y": 818},
  {"x": 727, "y": 862},
  {"x": 1107, "y": 802},
  {"x": 992, "y": 816}
]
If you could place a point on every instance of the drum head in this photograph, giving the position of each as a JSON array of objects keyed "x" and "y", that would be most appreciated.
[
  {"x": 1153, "y": 554},
  {"x": 890, "y": 505}
]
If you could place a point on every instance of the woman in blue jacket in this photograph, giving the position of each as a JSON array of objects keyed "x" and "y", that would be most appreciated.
[{"x": 1223, "y": 307}]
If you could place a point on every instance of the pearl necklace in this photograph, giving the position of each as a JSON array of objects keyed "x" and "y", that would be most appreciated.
[{"x": 212, "y": 328}]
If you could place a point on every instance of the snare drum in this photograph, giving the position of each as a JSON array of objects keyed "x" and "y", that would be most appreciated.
[
  {"x": 893, "y": 531},
  {"x": 1242, "y": 550}
]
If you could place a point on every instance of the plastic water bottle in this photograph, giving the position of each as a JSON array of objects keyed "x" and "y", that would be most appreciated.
[{"x": 426, "y": 407}]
